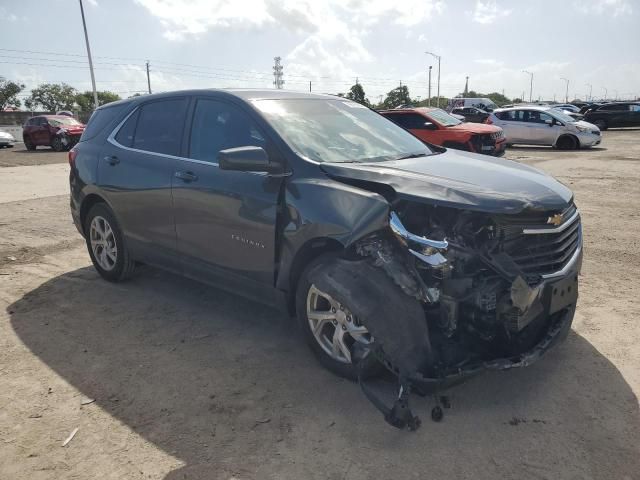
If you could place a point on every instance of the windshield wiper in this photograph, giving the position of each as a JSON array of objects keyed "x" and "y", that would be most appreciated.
[{"x": 412, "y": 155}]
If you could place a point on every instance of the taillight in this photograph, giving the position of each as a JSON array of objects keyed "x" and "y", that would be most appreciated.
[{"x": 72, "y": 157}]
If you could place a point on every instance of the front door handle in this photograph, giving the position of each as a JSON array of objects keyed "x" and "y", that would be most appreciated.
[
  {"x": 112, "y": 160},
  {"x": 186, "y": 176}
]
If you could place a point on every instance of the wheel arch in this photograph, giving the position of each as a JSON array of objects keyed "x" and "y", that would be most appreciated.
[
  {"x": 309, "y": 252},
  {"x": 89, "y": 201}
]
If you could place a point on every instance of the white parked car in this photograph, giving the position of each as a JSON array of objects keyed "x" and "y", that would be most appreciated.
[
  {"x": 6, "y": 139},
  {"x": 532, "y": 125}
]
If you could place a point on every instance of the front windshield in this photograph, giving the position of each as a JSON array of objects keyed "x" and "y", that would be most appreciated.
[
  {"x": 563, "y": 117},
  {"x": 338, "y": 131},
  {"x": 58, "y": 121},
  {"x": 443, "y": 118}
]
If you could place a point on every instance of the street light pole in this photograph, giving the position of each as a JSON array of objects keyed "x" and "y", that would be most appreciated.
[
  {"x": 566, "y": 95},
  {"x": 590, "y": 90},
  {"x": 430, "y": 67},
  {"x": 530, "y": 86},
  {"x": 86, "y": 39},
  {"x": 439, "y": 58},
  {"x": 606, "y": 93}
]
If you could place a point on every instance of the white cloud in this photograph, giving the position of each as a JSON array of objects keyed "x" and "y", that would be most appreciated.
[
  {"x": 614, "y": 8},
  {"x": 333, "y": 31},
  {"x": 487, "y": 12}
]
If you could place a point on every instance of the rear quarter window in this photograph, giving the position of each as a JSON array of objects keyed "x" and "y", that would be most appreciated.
[{"x": 100, "y": 119}]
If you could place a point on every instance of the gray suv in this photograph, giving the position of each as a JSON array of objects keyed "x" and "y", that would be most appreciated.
[{"x": 393, "y": 255}]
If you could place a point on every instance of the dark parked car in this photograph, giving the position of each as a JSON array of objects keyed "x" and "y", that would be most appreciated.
[
  {"x": 612, "y": 115},
  {"x": 59, "y": 132},
  {"x": 471, "y": 114},
  {"x": 392, "y": 254}
]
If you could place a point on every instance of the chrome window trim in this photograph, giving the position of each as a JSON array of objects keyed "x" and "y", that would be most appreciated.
[
  {"x": 560, "y": 228},
  {"x": 112, "y": 140}
]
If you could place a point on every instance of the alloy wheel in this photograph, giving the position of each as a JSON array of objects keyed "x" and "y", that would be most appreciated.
[
  {"x": 333, "y": 326},
  {"x": 103, "y": 243}
]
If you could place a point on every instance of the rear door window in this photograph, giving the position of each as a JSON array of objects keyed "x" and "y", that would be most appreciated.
[
  {"x": 159, "y": 127},
  {"x": 125, "y": 135}
]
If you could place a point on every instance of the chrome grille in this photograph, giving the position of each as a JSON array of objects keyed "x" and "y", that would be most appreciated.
[{"x": 539, "y": 248}]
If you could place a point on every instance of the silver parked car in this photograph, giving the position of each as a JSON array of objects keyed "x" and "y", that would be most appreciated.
[
  {"x": 533, "y": 125},
  {"x": 6, "y": 139}
]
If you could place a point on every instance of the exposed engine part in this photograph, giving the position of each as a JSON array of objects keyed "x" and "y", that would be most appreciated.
[{"x": 385, "y": 255}]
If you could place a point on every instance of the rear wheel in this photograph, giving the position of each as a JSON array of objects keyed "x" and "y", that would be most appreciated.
[
  {"x": 106, "y": 246},
  {"x": 29, "y": 145}
]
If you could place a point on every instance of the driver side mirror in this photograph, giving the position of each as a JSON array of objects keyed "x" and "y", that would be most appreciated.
[
  {"x": 551, "y": 123},
  {"x": 247, "y": 159}
]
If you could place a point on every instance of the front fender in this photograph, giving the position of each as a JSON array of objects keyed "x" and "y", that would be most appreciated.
[{"x": 323, "y": 208}]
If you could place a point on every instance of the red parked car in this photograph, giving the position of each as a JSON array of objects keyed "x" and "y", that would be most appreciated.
[
  {"x": 59, "y": 132},
  {"x": 437, "y": 127}
]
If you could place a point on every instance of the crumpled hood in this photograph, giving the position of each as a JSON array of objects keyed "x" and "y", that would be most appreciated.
[{"x": 460, "y": 180}]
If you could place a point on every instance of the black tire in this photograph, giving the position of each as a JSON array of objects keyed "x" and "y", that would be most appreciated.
[
  {"x": 9, "y": 146},
  {"x": 509, "y": 145},
  {"x": 57, "y": 144},
  {"x": 601, "y": 124},
  {"x": 29, "y": 145},
  {"x": 124, "y": 265},
  {"x": 304, "y": 285},
  {"x": 566, "y": 143}
]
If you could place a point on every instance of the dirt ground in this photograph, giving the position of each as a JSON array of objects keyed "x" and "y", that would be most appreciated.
[{"x": 168, "y": 379}]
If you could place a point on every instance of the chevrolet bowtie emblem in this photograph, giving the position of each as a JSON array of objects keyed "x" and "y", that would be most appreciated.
[{"x": 556, "y": 219}]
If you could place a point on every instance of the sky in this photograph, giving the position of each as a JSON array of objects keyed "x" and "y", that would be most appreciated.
[{"x": 595, "y": 44}]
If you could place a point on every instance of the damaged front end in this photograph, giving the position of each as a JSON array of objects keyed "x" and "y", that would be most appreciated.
[{"x": 480, "y": 291}]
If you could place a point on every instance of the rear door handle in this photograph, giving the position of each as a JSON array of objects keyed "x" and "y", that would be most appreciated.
[
  {"x": 112, "y": 159},
  {"x": 186, "y": 176}
]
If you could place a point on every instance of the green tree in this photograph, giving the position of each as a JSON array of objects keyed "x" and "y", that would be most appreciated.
[
  {"x": 356, "y": 93},
  {"x": 498, "y": 98},
  {"x": 9, "y": 93},
  {"x": 52, "y": 97},
  {"x": 396, "y": 97},
  {"x": 86, "y": 103}
]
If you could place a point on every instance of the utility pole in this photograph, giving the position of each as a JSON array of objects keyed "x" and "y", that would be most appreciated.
[
  {"x": 148, "y": 78},
  {"x": 606, "y": 93},
  {"x": 590, "y": 90},
  {"x": 86, "y": 39},
  {"x": 531, "y": 85},
  {"x": 439, "y": 58},
  {"x": 566, "y": 95},
  {"x": 309, "y": 86},
  {"x": 430, "y": 67},
  {"x": 278, "y": 82}
]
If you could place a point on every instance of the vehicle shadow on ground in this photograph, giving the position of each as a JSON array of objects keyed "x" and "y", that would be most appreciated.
[{"x": 225, "y": 386}]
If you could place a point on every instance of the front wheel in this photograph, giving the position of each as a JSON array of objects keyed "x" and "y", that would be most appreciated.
[
  {"x": 567, "y": 143},
  {"x": 106, "y": 246},
  {"x": 57, "y": 144},
  {"x": 329, "y": 327}
]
